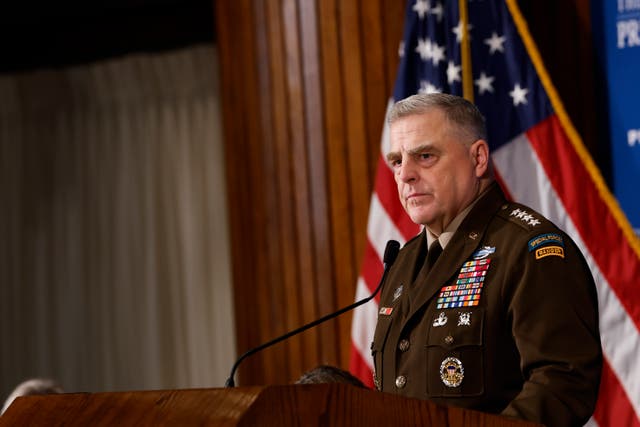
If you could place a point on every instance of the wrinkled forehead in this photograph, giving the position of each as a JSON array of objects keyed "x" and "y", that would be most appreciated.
[{"x": 418, "y": 129}]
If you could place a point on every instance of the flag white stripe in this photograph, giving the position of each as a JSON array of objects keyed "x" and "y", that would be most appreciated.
[
  {"x": 380, "y": 228},
  {"x": 522, "y": 171},
  {"x": 361, "y": 328}
]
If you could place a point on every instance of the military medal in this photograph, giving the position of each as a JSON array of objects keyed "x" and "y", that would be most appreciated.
[
  {"x": 466, "y": 290},
  {"x": 451, "y": 372}
]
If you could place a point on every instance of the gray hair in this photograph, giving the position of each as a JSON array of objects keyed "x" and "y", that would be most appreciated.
[{"x": 465, "y": 116}]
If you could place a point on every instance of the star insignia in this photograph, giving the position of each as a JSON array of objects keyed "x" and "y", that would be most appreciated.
[
  {"x": 525, "y": 217},
  {"x": 519, "y": 95},
  {"x": 430, "y": 51},
  {"x": 485, "y": 83},
  {"x": 437, "y": 11},
  {"x": 424, "y": 49},
  {"x": 457, "y": 30},
  {"x": 427, "y": 87},
  {"x": 453, "y": 72},
  {"x": 421, "y": 8},
  {"x": 437, "y": 54},
  {"x": 496, "y": 43}
]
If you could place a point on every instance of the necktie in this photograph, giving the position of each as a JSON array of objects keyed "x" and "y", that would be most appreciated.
[
  {"x": 429, "y": 259},
  {"x": 432, "y": 255}
]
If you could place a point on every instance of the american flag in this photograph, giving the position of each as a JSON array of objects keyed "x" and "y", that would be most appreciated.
[{"x": 482, "y": 49}]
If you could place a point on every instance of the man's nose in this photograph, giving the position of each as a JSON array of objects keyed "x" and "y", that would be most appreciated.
[{"x": 407, "y": 171}]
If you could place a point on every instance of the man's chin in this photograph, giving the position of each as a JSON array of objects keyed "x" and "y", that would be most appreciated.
[{"x": 421, "y": 218}]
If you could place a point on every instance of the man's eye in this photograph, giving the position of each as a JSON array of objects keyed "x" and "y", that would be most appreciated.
[
  {"x": 395, "y": 163},
  {"x": 425, "y": 156}
]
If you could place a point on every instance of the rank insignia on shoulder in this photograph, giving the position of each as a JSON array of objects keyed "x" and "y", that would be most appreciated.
[
  {"x": 483, "y": 252},
  {"x": 549, "y": 251},
  {"x": 385, "y": 311},
  {"x": 525, "y": 217},
  {"x": 545, "y": 239}
]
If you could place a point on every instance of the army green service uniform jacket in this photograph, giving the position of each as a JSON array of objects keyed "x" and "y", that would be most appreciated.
[{"x": 506, "y": 321}]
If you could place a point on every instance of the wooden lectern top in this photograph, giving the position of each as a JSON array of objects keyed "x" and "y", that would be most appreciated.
[{"x": 288, "y": 405}]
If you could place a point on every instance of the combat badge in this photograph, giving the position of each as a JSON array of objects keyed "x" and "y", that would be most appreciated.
[
  {"x": 451, "y": 372},
  {"x": 484, "y": 252},
  {"x": 441, "y": 320}
]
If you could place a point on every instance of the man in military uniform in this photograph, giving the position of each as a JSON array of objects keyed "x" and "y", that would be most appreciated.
[{"x": 490, "y": 307}]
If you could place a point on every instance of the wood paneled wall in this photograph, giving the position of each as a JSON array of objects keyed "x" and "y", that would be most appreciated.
[{"x": 305, "y": 86}]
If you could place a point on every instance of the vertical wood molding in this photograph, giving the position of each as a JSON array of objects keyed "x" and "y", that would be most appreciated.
[{"x": 305, "y": 87}]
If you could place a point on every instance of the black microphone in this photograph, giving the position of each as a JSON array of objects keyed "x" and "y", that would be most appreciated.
[{"x": 390, "y": 255}]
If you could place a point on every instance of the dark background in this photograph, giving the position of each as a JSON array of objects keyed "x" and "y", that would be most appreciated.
[{"x": 41, "y": 35}]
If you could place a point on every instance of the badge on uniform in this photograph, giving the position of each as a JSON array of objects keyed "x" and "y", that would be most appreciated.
[
  {"x": 549, "y": 251},
  {"x": 385, "y": 311},
  {"x": 525, "y": 217},
  {"x": 451, "y": 372},
  {"x": 466, "y": 291},
  {"x": 397, "y": 292},
  {"x": 441, "y": 320},
  {"x": 464, "y": 319},
  {"x": 545, "y": 239},
  {"x": 483, "y": 252}
]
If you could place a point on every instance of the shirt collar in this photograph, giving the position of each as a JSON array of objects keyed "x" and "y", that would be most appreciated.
[{"x": 447, "y": 234}]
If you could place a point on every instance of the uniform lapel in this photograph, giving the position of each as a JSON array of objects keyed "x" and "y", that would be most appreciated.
[{"x": 462, "y": 245}]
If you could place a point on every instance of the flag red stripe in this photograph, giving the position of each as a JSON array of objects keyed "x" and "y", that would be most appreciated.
[
  {"x": 371, "y": 267},
  {"x": 583, "y": 204},
  {"x": 502, "y": 184},
  {"x": 359, "y": 367},
  {"x": 613, "y": 408}
]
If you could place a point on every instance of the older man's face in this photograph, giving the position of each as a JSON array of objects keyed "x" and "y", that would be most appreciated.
[{"x": 437, "y": 175}]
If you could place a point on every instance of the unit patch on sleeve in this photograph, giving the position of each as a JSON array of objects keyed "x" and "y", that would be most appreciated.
[
  {"x": 550, "y": 251},
  {"x": 466, "y": 291},
  {"x": 545, "y": 239}
]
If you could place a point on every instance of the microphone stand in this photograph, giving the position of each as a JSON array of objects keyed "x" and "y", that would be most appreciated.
[{"x": 390, "y": 254}]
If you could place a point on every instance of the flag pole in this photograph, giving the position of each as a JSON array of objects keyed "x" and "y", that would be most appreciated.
[{"x": 465, "y": 49}]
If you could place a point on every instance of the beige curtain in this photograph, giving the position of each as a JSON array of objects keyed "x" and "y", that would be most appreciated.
[{"x": 114, "y": 254}]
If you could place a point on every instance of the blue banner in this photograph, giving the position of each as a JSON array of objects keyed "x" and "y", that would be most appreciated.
[{"x": 616, "y": 25}]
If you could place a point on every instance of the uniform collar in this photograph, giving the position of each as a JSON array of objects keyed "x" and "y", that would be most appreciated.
[{"x": 449, "y": 231}]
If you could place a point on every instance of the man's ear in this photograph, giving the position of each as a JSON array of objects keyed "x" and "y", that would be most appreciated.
[{"x": 480, "y": 155}]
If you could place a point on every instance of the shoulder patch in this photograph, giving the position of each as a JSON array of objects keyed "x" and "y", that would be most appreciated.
[
  {"x": 549, "y": 251},
  {"x": 545, "y": 239}
]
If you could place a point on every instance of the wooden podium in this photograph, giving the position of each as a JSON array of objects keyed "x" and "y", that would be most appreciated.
[{"x": 289, "y": 405}]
